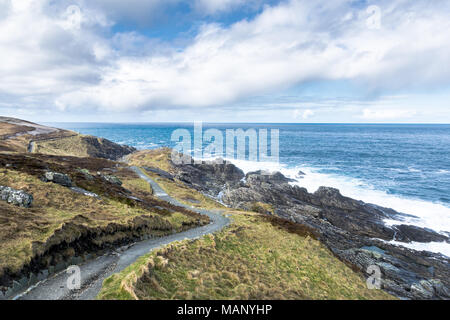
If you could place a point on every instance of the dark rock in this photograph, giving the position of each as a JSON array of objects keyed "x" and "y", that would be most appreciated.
[
  {"x": 85, "y": 192},
  {"x": 16, "y": 197},
  {"x": 332, "y": 197},
  {"x": 351, "y": 229},
  {"x": 267, "y": 177},
  {"x": 86, "y": 174},
  {"x": 103, "y": 148},
  {"x": 160, "y": 172},
  {"x": 408, "y": 233},
  {"x": 210, "y": 176},
  {"x": 112, "y": 179},
  {"x": 300, "y": 174},
  {"x": 58, "y": 178}
]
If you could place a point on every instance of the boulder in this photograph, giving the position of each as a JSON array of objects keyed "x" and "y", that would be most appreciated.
[
  {"x": 408, "y": 233},
  {"x": 160, "y": 172},
  {"x": 58, "y": 178},
  {"x": 112, "y": 179},
  {"x": 16, "y": 197},
  {"x": 268, "y": 177}
]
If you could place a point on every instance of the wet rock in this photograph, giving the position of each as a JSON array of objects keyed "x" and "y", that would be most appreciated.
[
  {"x": 16, "y": 197},
  {"x": 258, "y": 177},
  {"x": 408, "y": 233},
  {"x": 300, "y": 174},
  {"x": 58, "y": 178},
  {"x": 352, "y": 230}
]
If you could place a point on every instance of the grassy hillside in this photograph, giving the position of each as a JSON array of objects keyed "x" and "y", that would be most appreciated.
[
  {"x": 59, "y": 215},
  {"x": 81, "y": 146},
  {"x": 257, "y": 257}
]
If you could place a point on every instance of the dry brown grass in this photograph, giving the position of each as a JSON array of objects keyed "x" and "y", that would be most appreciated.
[
  {"x": 54, "y": 206},
  {"x": 252, "y": 259},
  {"x": 257, "y": 257},
  {"x": 158, "y": 158}
]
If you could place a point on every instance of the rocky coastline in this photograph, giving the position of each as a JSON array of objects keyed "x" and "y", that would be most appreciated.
[{"x": 353, "y": 230}]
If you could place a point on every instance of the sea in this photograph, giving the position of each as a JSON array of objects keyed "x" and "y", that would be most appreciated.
[{"x": 404, "y": 167}]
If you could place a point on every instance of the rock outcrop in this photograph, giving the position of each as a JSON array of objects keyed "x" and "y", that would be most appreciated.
[
  {"x": 353, "y": 230},
  {"x": 58, "y": 178},
  {"x": 16, "y": 197},
  {"x": 111, "y": 179},
  {"x": 209, "y": 177}
]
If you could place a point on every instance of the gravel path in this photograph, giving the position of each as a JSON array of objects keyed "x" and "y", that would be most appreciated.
[{"x": 95, "y": 271}]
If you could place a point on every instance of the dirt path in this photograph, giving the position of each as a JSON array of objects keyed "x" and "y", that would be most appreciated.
[{"x": 95, "y": 271}]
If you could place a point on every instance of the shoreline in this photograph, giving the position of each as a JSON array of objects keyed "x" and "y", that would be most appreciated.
[{"x": 351, "y": 188}]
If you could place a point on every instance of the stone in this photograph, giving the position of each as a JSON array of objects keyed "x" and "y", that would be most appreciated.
[
  {"x": 32, "y": 279},
  {"x": 86, "y": 174},
  {"x": 51, "y": 269},
  {"x": 421, "y": 291},
  {"x": 16, "y": 197},
  {"x": 23, "y": 281},
  {"x": 58, "y": 178},
  {"x": 160, "y": 172},
  {"x": 85, "y": 192},
  {"x": 60, "y": 267},
  {"x": 43, "y": 275},
  {"x": 112, "y": 179},
  {"x": 408, "y": 233}
]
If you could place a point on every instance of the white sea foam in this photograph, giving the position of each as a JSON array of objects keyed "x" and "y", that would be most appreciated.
[
  {"x": 436, "y": 247},
  {"x": 426, "y": 214}
]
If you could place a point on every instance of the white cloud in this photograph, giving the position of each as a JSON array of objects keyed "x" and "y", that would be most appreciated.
[
  {"x": 303, "y": 114},
  {"x": 387, "y": 114},
  {"x": 46, "y": 63}
]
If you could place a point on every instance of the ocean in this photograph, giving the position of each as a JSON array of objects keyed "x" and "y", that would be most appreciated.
[{"x": 404, "y": 167}]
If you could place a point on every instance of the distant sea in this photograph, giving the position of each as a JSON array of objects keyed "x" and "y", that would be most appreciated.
[{"x": 404, "y": 167}]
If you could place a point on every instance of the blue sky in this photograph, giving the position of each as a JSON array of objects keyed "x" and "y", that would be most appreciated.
[{"x": 225, "y": 60}]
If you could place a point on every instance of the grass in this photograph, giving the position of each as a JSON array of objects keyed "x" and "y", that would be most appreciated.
[
  {"x": 54, "y": 206},
  {"x": 137, "y": 185},
  {"x": 185, "y": 194},
  {"x": 66, "y": 146},
  {"x": 251, "y": 259},
  {"x": 257, "y": 257},
  {"x": 158, "y": 158}
]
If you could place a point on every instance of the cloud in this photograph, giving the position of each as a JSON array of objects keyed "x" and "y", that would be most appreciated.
[
  {"x": 295, "y": 42},
  {"x": 303, "y": 114},
  {"x": 387, "y": 114}
]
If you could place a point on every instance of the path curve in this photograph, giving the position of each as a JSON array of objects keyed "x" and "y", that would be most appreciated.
[{"x": 95, "y": 271}]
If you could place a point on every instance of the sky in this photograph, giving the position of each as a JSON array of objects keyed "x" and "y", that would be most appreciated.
[{"x": 225, "y": 61}]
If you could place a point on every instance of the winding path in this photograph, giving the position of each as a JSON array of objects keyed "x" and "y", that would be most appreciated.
[{"x": 95, "y": 271}]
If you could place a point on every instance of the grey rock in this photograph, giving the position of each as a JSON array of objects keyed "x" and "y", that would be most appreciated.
[
  {"x": 32, "y": 279},
  {"x": 43, "y": 275},
  {"x": 351, "y": 229},
  {"x": 209, "y": 176},
  {"x": 160, "y": 172},
  {"x": 23, "y": 281},
  {"x": 86, "y": 174},
  {"x": 421, "y": 291},
  {"x": 58, "y": 178},
  {"x": 112, "y": 179},
  {"x": 85, "y": 192},
  {"x": 60, "y": 266},
  {"x": 408, "y": 233},
  {"x": 16, "y": 197},
  {"x": 51, "y": 270}
]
